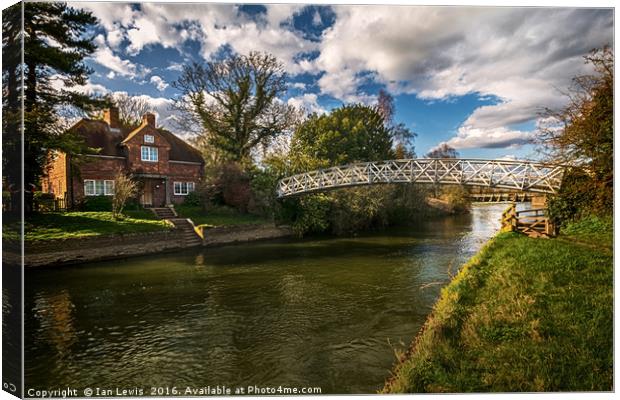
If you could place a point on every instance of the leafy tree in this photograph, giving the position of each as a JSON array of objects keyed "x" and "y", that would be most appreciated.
[
  {"x": 348, "y": 134},
  {"x": 56, "y": 39},
  {"x": 236, "y": 103},
  {"x": 11, "y": 104},
  {"x": 581, "y": 134}
]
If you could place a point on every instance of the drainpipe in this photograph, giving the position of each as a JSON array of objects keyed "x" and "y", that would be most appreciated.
[
  {"x": 70, "y": 181},
  {"x": 167, "y": 191}
]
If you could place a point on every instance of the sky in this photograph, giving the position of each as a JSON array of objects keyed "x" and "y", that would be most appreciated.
[{"x": 476, "y": 78}]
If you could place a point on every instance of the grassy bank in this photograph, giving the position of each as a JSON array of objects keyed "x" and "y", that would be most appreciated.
[
  {"x": 523, "y": 315},
  {"x": 70, "y": 225}
]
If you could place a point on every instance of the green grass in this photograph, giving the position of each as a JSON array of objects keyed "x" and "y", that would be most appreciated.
[
  {"x": 141, "y": 214},
  {"x": 594, "y": 230},
  {"x": 218, "y": 216},
  {"x": 523, "y": 315},
  {"x": 69, "y": 225}
]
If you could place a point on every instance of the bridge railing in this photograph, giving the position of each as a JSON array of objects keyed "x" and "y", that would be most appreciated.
[{"x": 518, "y": 175}]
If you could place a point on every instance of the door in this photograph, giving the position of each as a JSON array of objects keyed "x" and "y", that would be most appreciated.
[{"x": 147, "y": 193}]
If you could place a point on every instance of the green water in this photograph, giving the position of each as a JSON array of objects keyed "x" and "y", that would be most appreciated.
[{"x": 320, "y": 312}]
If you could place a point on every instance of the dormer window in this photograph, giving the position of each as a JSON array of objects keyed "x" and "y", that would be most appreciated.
[
  {"x": 149, "y": 153},
  {"x": 149, "y": 139}
]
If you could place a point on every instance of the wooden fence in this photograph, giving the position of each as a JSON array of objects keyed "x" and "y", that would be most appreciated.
[
  {"x": 532, "y": 222},
  {"x": 49, "y": 205}
]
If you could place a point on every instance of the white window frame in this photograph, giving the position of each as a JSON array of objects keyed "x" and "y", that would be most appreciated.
[
  {"x": 89, "y": 190},
  {"x": 149, "y": 139},
  {"x": 183, "y": 188},
  {"x": 98, "y": 187},
  {"x": 108, "y": 191},
  {"x": 151, "y": 154}
]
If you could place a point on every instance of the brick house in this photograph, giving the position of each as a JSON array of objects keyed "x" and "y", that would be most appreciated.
[{"x": 165, "y": 167}]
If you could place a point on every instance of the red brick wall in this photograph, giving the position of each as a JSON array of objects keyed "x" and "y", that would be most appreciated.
[
  {"x": 98, "y": 168},
  {"x": 134, "y": 152},
  {"x": 56, "y": 179},
  {"x": 180, "y": 172}
]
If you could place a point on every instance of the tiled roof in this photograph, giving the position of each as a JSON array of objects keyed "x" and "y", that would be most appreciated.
[{"x": 98, "y": 134}]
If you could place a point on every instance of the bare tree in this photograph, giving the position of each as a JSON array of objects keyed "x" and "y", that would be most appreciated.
[
  {"x": 130, "y": 109},
  {"x": 236, "y": 102},
  {"x": 385, "y": 104},
  {"x": 124, "y": 189}
]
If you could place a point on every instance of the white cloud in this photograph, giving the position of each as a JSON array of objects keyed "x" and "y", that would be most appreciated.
[
  {"x": 519, "y": 55},
  {"x": 307, "y": 101},
  {"x": 316, "y": 19},
  {"x": 298, "y": 85},
  {"x": 212, "y": 25},
  {"x": 159, "y": 83},
  {"x": 106, "y": 57},
  {"x": 469, "y": 137},
  {"x": 175, "y": 66}
]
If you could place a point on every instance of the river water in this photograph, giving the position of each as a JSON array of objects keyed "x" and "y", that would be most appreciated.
[{"x": 321, "y": 312}]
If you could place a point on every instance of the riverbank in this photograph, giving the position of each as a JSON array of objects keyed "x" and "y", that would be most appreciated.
[
  {"x": 66, "y": 251},
  {"x": 523, "y": 315}
]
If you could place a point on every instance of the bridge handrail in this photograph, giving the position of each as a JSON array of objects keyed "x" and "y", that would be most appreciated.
[
  {"x": 364, "y": 163},
  {"x": 532, "y": 176}
]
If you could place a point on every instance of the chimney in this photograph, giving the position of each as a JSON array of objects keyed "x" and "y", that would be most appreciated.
[
  {"x": 111, "y": 117},
  {"x": 149, "y": 119}
]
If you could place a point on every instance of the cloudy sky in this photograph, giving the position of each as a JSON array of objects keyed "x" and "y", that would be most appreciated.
[{"x": 476, "y": 78}]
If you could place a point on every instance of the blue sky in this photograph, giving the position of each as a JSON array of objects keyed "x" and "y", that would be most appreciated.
[{"x": 476, "y": 78}]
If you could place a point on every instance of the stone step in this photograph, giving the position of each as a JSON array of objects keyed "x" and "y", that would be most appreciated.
[{"x": 164, "y": 212}]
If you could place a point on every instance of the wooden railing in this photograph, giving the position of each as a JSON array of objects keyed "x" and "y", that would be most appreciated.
[{"x": 532, "y": 222}]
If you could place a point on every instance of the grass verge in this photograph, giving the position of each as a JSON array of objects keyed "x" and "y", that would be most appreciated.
[
  {"x": 218, "y": 216},
  {"x": 522, "y": 315},
  {"x": 69, "y": 225}
]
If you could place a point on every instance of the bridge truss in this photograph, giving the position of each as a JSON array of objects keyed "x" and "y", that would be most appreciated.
[{"x": 518, "y": 175}]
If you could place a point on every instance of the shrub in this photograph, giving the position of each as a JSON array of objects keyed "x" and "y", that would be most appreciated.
[
  {"x": 97, "y": 203},
  {"x": 124, "y": 189},
  {"x": 456, "y": 197},
  {"x": 574, "y": 200},
  {"x": 193, "y": 199},
  {"x": 234, "y": 184}
]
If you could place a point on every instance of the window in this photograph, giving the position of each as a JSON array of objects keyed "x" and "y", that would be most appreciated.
[
  {"x": 98, "y": 187},
  {"x": 149, "y": 139},
  {"x": 149, "y": 153},
  {"x": 183, "y": 188}
]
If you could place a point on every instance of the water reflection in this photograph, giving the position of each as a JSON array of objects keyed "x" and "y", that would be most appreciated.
[{"x": 318, "y": 312}]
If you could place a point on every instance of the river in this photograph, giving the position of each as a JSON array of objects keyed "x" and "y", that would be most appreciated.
[{"x": 321, "y": 312}]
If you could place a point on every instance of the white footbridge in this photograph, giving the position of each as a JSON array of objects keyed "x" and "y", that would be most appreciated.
[{"x": 507, "y": 174}]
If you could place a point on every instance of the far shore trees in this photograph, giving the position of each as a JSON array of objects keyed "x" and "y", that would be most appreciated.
[{"x": 351, "y": 133}]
